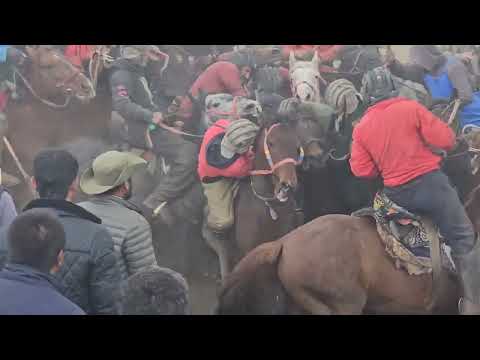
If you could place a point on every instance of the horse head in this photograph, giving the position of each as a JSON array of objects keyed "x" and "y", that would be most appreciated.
[
  {"x": 226, "y": 106},
  {"x": 52, "y": 76},
  {"x": 277, "y": 153},
  {"x": 305, "y": 78},
  {"x": 310, "y": 122}
]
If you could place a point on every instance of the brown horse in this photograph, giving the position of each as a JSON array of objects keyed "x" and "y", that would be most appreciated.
[
  {"x": 264, "y": 206},
  {"x": 334, "y": 265},
  {"x": 58, "y": 106}
]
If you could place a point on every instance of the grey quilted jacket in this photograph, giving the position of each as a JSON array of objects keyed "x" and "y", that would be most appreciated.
[
  {"x": 89, "y": 276},
  {"x": 131, "y": 233}
]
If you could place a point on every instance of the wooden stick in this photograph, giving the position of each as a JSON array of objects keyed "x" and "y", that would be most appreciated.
[
  {"x": 25, "y": 175},
  {"x": 456, "y": 106}
]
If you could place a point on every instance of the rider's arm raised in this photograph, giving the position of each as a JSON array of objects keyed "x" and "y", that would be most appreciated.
[
  {"x": 407, "y": 71},
  {"x": 121, "y": 86}
]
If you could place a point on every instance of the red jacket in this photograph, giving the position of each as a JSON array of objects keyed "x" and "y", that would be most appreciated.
[
  {"x": 77, "y": 54},
  {"x": 391, "y": 139},
  {"x": 220, "y": 77},
  {"x": 239, "y": 168},
  {"x": 327, "y": 53}
]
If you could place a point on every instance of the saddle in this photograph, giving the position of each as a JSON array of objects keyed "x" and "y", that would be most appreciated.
[{"x": 411, "y": 241}]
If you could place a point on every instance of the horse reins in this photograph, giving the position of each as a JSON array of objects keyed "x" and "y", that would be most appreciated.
[
  {"x": 38, "y": 97},
  {"x": 268, "y": 156}
]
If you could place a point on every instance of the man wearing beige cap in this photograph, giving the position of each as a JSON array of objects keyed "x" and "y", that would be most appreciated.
[{"x": 109, "y": 183}]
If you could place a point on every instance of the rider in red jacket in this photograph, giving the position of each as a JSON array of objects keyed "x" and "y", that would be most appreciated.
[
  {"x": 220, "y": 77},
  {"x": 225, "y": 157},
  {"x": 398, "y": 139},
  {"x": 390, "y": 141},
  {"x": 212, "y": 165}
]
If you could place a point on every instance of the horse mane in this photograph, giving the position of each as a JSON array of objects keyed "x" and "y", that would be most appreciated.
[{"x": 247, "y": 285}]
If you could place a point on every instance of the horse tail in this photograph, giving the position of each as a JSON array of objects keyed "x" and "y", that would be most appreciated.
[{"x": 254, "y": 287}]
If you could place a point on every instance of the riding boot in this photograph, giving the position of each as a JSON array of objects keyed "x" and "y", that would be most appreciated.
[{"x": 468, "y": 268}]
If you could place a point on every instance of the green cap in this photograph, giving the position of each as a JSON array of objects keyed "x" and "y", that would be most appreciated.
[{"x": 109, "y": 170}]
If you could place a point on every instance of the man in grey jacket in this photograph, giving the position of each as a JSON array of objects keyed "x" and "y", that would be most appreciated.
[{"x": 109, "y": 181}]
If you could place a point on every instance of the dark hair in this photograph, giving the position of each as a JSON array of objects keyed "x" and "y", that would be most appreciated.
[
  {"x": 156, "y": 291},
  {"x": 54, "y": 171},
  {"x": 35, "y": 238}
]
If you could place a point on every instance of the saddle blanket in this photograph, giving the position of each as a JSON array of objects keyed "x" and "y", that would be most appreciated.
[{"x": 407, "y": 240}]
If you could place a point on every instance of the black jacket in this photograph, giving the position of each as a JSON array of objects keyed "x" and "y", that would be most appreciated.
[
  {"x": 89, "y": 276},
  {"x": 132, "y": 99}
]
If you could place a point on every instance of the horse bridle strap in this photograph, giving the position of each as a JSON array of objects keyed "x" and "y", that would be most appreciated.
[
  {"x": 39, "y": 98},
  {"x": 268, "y": 155}
]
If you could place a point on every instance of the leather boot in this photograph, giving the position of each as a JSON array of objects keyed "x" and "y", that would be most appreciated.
[{"x": 468, "y": 268}]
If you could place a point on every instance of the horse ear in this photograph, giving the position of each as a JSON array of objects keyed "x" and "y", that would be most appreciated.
[
  {"x": 315, "y": 60},
  {"x": 292, "y": 59}
]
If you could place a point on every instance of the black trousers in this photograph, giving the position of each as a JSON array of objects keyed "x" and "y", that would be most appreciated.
[{"x": 432, "y": 195}]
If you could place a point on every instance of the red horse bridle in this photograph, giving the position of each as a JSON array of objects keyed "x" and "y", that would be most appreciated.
[{"x": 268, "y": 155}]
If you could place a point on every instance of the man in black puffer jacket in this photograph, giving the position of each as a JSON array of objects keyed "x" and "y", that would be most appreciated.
[{"x": 90, "y": 277}]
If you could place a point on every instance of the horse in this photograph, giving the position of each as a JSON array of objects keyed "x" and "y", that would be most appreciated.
[
  {"x": 305, "y": 78},
  {"x": 264, "y": 208},
  {"x": 334, "y": 265},
  {"x": 59, "y": 104}
]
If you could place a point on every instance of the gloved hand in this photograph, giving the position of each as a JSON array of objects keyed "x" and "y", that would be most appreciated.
[{"x": 16, "y": 57}]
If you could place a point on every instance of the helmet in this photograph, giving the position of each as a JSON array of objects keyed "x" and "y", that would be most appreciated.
[
  {"x": 377, "y": 85},
  {"x": 239, "y": 136},
  {"x": 342, "y": 96}
]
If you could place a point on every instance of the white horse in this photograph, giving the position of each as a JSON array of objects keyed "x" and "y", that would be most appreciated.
[{"x": 305, "y": 78}]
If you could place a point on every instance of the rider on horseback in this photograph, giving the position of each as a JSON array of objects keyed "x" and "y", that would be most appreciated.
[
  {"x": 9, "y": 56},
  {"x": 225, "y": 156},
  {"x": 394, "y": 140},
  {"x": 221, "y": 77},
  {"x": 445, "y": 78},
  {"x": 134, "y": 112}
]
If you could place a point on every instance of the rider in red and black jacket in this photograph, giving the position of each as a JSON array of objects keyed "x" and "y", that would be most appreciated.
[{"x": 218, "y": 159}]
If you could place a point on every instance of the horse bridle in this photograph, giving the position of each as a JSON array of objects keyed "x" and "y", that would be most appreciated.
[
  {"x": 268, "y": 156},
  {"x": 294, "y": 85},
  {"x": 68, "y": 95}
]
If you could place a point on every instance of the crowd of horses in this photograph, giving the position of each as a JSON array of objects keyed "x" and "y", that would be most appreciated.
[{"x": 272, "y": 263}]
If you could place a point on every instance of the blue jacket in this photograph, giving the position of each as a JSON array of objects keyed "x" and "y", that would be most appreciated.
[{"x": 26, "y": 291}]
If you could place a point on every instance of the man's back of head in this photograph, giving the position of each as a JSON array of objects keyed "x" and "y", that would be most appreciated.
[
  {"x": 156, "y": 291},
  {"x": 36, "y": 238},
  {"x": 54, "y": 172}
]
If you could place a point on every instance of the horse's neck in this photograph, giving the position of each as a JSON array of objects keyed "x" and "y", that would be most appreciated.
[{"x": 263, "y": 185}]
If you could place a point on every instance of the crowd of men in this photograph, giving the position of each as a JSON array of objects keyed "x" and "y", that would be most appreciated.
[{"x": 99, "y": 253}]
